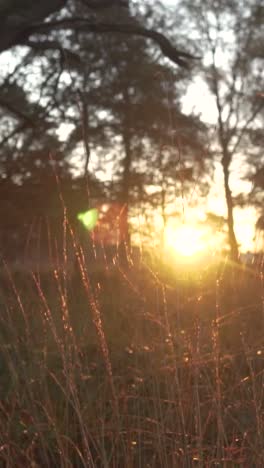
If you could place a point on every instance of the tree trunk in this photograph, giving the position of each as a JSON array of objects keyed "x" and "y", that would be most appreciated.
[
  {"x": 163, "y": 215},
  {"x": 124, "y": 234},
  {"x": 226, "y": 160},
  {"x": 234, "y": 254}
]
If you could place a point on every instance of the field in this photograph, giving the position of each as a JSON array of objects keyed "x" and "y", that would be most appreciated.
[{"x": 140, "y": 366}]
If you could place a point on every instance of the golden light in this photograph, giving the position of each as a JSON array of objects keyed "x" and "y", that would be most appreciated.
[{"x": 186, "y": 240}]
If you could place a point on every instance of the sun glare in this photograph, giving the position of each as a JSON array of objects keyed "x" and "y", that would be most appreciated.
[{"x": 187, "y": 241}]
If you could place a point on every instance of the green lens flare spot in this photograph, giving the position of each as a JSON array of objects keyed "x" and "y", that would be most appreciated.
[{"x": 88, "y": 218}]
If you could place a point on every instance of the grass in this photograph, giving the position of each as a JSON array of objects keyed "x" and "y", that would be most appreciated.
[{"x": 143, "y": 367}]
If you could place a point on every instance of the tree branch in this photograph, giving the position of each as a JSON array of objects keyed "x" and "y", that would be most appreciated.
[
  {"x": 179, "y": 57},
  {"x": 16, "y": 112}
]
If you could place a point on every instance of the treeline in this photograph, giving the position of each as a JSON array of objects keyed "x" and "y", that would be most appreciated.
[{"x": 85, "y": 95}]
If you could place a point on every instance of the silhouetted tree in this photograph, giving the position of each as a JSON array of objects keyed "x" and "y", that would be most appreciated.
[
  {"x": 230, "y": 35},
  {"x": 102, "y": 91}
]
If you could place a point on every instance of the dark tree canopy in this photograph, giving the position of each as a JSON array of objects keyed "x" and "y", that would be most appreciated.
[{"x": 95, "y": 73}]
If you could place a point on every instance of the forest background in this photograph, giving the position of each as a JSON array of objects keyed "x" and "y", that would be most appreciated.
[{"x": 132, "y": 115}]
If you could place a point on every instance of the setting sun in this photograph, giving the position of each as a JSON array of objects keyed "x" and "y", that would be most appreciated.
[{"x": 185, "y": 240}]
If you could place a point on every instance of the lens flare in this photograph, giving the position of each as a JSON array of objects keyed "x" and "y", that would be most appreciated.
[{"x": 88, "y": 218}]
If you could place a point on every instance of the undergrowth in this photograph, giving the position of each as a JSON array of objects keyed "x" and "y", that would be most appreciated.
[{"x": 139, "y": 367}]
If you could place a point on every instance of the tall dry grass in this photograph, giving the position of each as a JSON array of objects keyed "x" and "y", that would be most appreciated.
[{"x": 138, "y": 367}]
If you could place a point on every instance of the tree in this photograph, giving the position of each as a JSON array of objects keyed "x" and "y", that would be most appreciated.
[
  {"x": 48, "y": 49},
  {"x": 73, "y": 88},
  {"x": 21, "y": 23},
  {"x": 230, "y": 36}
]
